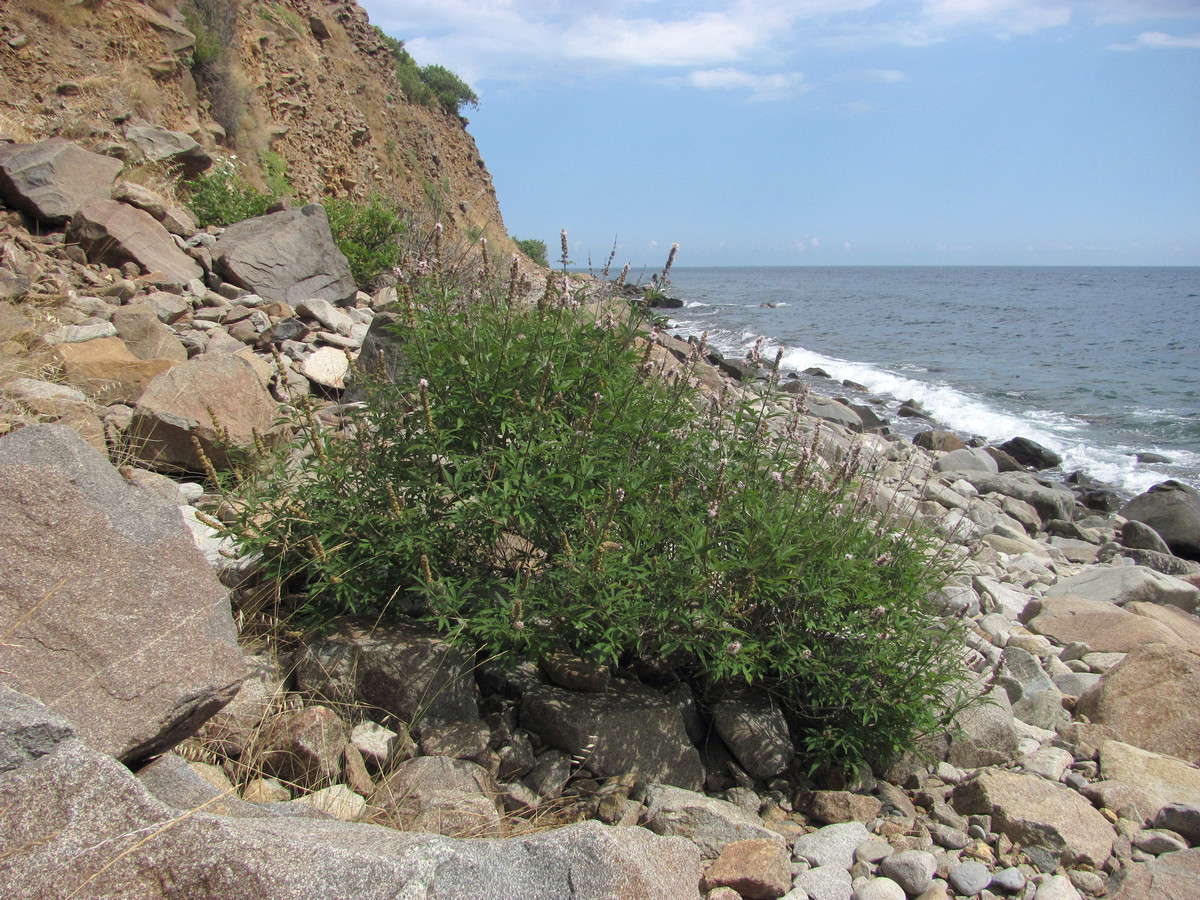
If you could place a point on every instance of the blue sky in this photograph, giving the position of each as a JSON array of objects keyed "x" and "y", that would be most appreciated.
[{"x": 833, "y": 132}]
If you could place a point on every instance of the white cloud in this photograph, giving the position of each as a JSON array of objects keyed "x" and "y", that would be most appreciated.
[
  {"x": 773, "y": 86},
  {"x": 704, "y": 39},
  {"x": 1157, "y": 40},
  {"x": 525, "y": 40},
  {"x": 1009, "y": 16},
  {"x": 887, "y": 76},
  {"x": 1132, "y": 10}
]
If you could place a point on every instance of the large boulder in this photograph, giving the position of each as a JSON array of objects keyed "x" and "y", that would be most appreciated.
[
  {"x": 832, "y": 411},
  {"x": 707, "y": 822},
  {"x": 1126, "y": 584},
  {"x": 753, "y": 728},
  {"x": 939, "y": 441},
  {"x": 1104, "y": 627},
  {"x": 118, "y": 622},
  {"x": 985, "y": 734},
  {"x": 86, "y": 826},
  {"x": 219, "y": 399},
  {"x": 631, "y": 728},
  {"x": 1172, "y": 876},
  {"x": 966, "y": 460},
  {"x": 1034, "y": 812},
  {"x": 171, "y": 149},
  {"x": 1173, "y": 510},
  {"x": 446, "y": 796},
  {"x": 409, "y": 672},
  {"x": 288, "y": 256},
  {"x": 1050, "y": 503},
  {"x": 1030, "y": 453},
  {"x": 116, "y": 233},
  {"x": 145, "y": 336},
  {"x": 28, "y": 730},
  {"x": 1164, "y": 779},
  {"x": 105, "y": 369},
  {"x": 52, "y": 180},
  {"x": 1152, "y": 699}
]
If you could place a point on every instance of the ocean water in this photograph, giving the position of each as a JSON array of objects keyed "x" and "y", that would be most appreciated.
[{"x": 1098, "y": 364}]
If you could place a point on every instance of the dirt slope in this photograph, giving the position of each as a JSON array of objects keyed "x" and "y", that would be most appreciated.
[{"x": 309, "y": 80}]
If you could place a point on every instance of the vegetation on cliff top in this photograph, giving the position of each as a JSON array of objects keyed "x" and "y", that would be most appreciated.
[{"x": 432, "y": 85}]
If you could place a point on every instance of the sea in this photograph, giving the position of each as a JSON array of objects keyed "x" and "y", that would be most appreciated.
[{"x": 1097, "y": 364}]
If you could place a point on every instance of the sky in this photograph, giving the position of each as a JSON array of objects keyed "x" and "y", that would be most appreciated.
[{"x": 832, "y": 132}]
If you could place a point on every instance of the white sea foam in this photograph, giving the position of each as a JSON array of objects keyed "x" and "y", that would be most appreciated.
[
  {"x": 1097, "y": 398},
  {"x": 966, "y": 414}
]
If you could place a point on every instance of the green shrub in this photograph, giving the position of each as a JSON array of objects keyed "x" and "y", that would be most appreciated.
[
  {"x": 220, "y": 197},
  {"x": 526, "y": 480},
  {"x": 274, "y": 171},
  {"x": 534, "y": 249},
  {"x": 368, "y": 234},
  {"x": 450, "y": 91},
  {"x": 433, "y": 85}
]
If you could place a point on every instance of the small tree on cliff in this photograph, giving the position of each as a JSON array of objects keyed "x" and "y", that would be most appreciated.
[{"x": 450, "y": 90}]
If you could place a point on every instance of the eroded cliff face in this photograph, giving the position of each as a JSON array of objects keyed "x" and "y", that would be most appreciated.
[{"x": 309, "y": 80}]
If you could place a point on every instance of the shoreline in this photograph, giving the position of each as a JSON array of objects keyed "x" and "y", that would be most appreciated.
[
  {"x": 986, "y": 350},
  {"x": 904, "y": 417}
]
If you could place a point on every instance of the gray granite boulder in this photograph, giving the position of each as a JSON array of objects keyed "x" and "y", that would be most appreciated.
[
  {"x": 629, "y": 728},
  {"x": 1127, "y": 584},
  {"x": 1033, "y": 812},
  {"x": 446, "y": 796},
  {"x": 966, "y": 460},
  {"x": 1050, "y": 503},
  {"x": 1031, "y": 453},
  {"x": 288, "y": 256},
  {"x": 1137, "y": 535},
  {"x": 707, "y": 822},
  {"x": 81, "y": 820},
  {"x": 1173, "y": 510},
  {"x": 984, "y": 734},
  {"x": 833, "y": 845},
  {"x": 119, "y": 622},
  {"x": 1182, "y": 818},
  {"x": 28, "y": 730},
  {"x": 145, "y": 336},
  {"x": 52, "y": 180},
  {"x": 1173, "y": 876},
  {"x": 1160, "y": 779},
  {"x": 407, "y": 671},
  {"x": 832, "y": 411},
  {"x": 753, "y": 728}
]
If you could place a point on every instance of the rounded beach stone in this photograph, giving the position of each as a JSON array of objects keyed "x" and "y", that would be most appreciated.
[
  {"x": 969, "y": 878},
  {"x": 913, "y": 870},
  {"x": 1158, "y": 841},
  {"x": 758, "y": 869},
  {"x": 826, "y": 883},
  {"x": 833, "y": 845},
  {"x": 1008, "y": 880},
  {"x": 873, "y": 851},
  {"x": 880, "y": 889},
  {"x": 1057, "y": 887}
]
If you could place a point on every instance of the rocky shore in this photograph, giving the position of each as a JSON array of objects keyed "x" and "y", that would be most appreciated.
[{"x": 153, "y": 745}]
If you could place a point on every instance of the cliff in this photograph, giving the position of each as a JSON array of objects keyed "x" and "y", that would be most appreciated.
[{"x": 309, "y": 80}]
